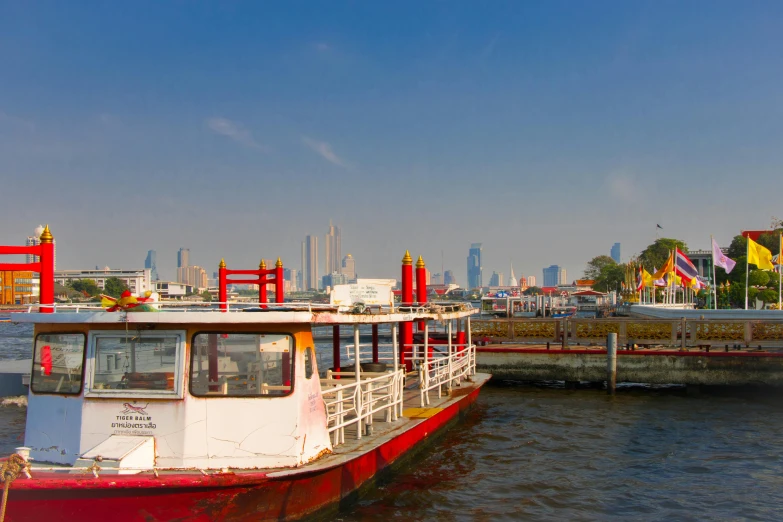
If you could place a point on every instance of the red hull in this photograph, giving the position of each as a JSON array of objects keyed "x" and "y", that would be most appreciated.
[{"x": 229, "y": 497}]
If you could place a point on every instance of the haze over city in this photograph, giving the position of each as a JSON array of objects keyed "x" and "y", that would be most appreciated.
[{"x": 547, "y": 132}]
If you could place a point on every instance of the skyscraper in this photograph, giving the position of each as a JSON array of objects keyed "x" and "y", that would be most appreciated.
[
  {"x": 615, "y": 253},
  {"x": 562, "y": 278},
  {"x": 448, "y": 278},
  {"x": 474, "y": 266},
  {"x": 310, "y": 263},
  {"x": 183, "y": 260},
  {"x": 333, "y": 246},
  {"x": 494, "y": 279},
  {"x": 150, "y": 263},
  {"x": 349, "y": 267},
  {"x": 553, "y": 275}
]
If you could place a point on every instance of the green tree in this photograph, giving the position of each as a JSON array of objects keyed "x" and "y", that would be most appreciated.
[
  {"x": 737, "y": 295},
  {"x": 656, "y": 254},
  {"x": 533, "y": 290},
  {"x": 595, "y": 265},
  {"x": 610, "y": 278},
  {"x": 738, "y": 247},
  {"x": 87, "y": 287},
  {"x": 768, "y": 296},
  {"x": 114, "y": 287},
  {"x": 206, "y": 296},
  {"x": 758, "y": 278}
]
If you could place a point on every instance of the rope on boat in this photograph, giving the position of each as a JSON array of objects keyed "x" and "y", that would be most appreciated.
[{"x": 9, "y": 472}]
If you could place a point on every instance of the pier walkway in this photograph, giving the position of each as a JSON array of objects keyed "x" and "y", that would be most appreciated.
[{"x": 659, "y": 351}]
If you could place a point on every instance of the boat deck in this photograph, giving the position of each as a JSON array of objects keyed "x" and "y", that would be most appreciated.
[{"x": 382, "y": 432}]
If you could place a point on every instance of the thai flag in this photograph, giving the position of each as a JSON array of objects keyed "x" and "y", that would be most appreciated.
[{"x": 684, "y": 267}]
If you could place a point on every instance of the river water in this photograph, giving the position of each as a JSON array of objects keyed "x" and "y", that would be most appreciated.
[{"x": 542, "y": 452}]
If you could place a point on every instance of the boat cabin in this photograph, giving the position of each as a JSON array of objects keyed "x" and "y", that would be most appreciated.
[{"x": 210, "y": 389}]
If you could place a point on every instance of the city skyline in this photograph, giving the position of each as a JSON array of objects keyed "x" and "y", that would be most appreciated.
[{"x": 328, "y": 118}]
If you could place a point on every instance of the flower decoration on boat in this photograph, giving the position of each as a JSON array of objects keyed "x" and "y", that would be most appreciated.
[{"x": 128, "y": 301}]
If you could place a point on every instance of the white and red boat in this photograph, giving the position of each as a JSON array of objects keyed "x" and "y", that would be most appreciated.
[{"x": 223, "y": 414}]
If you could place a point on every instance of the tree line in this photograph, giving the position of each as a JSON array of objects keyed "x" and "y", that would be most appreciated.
[{"x": 762, "y": 284}]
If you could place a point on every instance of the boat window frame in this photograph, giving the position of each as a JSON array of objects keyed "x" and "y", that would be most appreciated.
[
  {"x": 84, "y": 365},
  {"x": 236, "y": 396},
  {"x": 96, "y": 393}
]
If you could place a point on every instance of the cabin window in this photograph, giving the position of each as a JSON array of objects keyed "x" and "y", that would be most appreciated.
[
  {"x": 57, "y": 363},
  {"x": 241, "y": 364},
  {"x": 308, "y": 360},
  {"x": 136, "y": 363}
]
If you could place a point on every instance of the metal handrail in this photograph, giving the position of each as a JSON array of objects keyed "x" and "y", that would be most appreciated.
[{"x": 361, "y": 400}]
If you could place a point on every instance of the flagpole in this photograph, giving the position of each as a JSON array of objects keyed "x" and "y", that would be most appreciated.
[{"x": 747, "y": 270}]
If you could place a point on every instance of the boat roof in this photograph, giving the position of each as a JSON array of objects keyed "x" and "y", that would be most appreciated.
[{"x": 270, "y": 314}]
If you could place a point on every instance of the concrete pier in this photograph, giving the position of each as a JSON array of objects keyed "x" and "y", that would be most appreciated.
[{"x": 662, "y": 366}]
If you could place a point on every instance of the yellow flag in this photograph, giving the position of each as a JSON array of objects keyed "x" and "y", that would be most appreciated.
[
  {"x": 647, "y": 278},
  {"x": 759, "y": 256},
  {"x": 667, "y": 267}
]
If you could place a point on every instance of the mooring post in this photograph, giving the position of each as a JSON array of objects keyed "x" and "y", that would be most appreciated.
[{"x": 611, "y": 363}]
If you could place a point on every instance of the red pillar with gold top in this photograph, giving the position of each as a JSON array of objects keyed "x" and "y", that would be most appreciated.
[
  {"x": 262, "y": 283},
  {"x": 279, "y": 282},
  {"x": 406, "y": 328},
  {"x": 421, "y": 286},
  {"x": 222, "y": 290},
  {"x": 47, "y": 272}
]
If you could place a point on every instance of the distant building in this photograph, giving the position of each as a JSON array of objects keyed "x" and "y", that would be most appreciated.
[
  {"x": 531, "y": 280},
  {"x": 494, "y": 279},
  {"x": 552, "y": 275},
  {"x": 562, "y": 278},
  {"x": 172, "y": 290},
  {"x": 18, "y": 287},
  {"x": 150, "y": 263},
  {"x": 512, "y": 280},
  {"x": 335, "y": 278},
  {"x": 194, "y": 276},
  {"x": 310, "y": 263},
  {"x": 437, "y": 279},
  {"x": 448, "y": 278},
  {"x": 183, "y": 260},
  {"x": 348, "y": 268},
  {"x": 183, "y": 257},
  {"x": 615, "y": 253},
  {"x": 475, "y": 279},
  {"x": 291, "y": 276},
  {"x": 333, "y": 245},
  {"x": 137, "y": 281}
]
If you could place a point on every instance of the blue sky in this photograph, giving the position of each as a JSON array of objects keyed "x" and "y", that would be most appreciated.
[{"x": 546, "y": 131}]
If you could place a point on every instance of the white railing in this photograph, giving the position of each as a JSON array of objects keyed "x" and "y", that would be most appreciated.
[
  {"x": 232, "y": 306},
  {"x": 442, "y": 369},
  {"x": 349, "y": 403}
]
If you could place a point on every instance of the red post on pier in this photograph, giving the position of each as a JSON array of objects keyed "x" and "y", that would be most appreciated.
[
  {"x": 336, "y": 349},
  {"x": 222, "y": 293},
  {"x": 421, "y": 286},
  {"x": 406, "y": 328},
  {"x": 260, "y": 278},
  {"x": 262, "y": 282},
  {"x": 279, "y": 277},
  {"x": 44, "y": 266},
  {"x": 375, "y": 343},
  {"x": 47, "y": 272}
]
